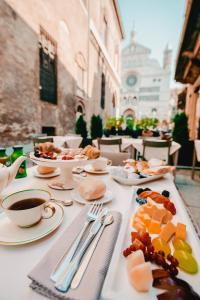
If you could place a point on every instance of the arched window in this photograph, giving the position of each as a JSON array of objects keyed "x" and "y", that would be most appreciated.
[
  {"x": 80, "y": 109},
  {"x": 103, "y": 90},
  {"x": 113, "y": 101}
]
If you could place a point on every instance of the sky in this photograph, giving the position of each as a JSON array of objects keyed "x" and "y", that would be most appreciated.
[{"x": 156, "y": 22}]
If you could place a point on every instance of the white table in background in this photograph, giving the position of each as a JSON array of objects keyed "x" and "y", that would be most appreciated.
[
  {"x": 138, "y": 146},
  {"x": 72, "y": 141},
  {"x": 17, "y": 261}
]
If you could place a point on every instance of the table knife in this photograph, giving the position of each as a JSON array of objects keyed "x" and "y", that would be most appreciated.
[{"x": 64, "y": 282}]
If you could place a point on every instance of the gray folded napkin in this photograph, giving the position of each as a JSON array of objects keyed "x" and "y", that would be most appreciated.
[{"x": 92, "y": 282}]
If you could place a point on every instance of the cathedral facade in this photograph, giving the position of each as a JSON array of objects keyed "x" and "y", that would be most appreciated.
[{"x": 145, "y": 84}]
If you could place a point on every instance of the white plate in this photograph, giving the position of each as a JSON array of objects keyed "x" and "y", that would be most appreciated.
[
  {"x": 135, "y": 181},
  {"x": 117, "y": 286},
  {"x": 58, "y": 162},
  {"x": 108, "y": 196},
  {"x": 10, "y": 234},
  {"x": 89, "y": 169},
  {"x": 50, "y": 175}
]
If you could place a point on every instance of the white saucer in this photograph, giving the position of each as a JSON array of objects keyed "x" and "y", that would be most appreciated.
[
  {"x": 89, "y": 169},
  {"x": 50, "y": 175},
  {"x": 11, "y": 234},
  {"x": 105, "y": 199}
]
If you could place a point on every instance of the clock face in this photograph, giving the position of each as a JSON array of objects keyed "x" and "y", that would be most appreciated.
[{"x": 131, "y": 80}]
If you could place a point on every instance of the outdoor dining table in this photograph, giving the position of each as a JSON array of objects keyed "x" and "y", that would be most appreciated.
[
  {"x": 137, "y": 145},
  {"x": 17, "y": 261}
]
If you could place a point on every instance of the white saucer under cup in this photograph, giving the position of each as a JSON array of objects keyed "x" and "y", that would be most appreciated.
[{"x": 12, "y": 235}]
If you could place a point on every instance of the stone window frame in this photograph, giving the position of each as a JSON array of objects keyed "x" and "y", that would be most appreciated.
[
  {"x": 103, "y": 90},
  {"x": 48, "y": 49},
  {"x": 81, "y": 70},
  {"x": 104, "y": 30}
]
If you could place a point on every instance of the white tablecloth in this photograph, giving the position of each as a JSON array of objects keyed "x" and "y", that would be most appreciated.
[
  {"x": 71, "y": 140},
  {"x": 197, "y": 149},
  {"x": 137, "y": 144},
  {"x": 17, "y": 261}
]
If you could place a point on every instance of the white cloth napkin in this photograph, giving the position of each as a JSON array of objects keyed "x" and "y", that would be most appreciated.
[{"x": 92, "y": 282}]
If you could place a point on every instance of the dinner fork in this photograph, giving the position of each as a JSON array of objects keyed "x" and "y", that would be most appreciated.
[{"x": 91, "y": 215}]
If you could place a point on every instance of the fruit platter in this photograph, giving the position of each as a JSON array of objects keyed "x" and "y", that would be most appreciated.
[
  {"x": 139, "y": 172},
  {"x": 48, "y": 156},
  {"x": 158, "y": 252}
]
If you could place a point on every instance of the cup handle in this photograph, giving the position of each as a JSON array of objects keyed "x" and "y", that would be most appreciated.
[
  {"x": 109, "y": 162},
  {"x": 46, "y": 208}
]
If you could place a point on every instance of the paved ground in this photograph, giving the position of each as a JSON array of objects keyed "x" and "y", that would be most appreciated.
[{"x": 190, "y": 191}]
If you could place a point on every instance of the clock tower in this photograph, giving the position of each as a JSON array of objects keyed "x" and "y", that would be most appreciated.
[{"x": 145, "y": 83}]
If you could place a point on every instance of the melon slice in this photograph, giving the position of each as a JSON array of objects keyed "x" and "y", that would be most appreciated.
[
  {"x": 134, "y": 259},
  {"x": 141, "y": 277}
]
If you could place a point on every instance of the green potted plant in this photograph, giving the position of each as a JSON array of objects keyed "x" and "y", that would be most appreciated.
[
  {"x": 180, "y": 135},
  {"x": 110, "y": 126},
  {"x": 96, "y": 128},
  {"x": 81, "y": 127},
  {"x": 129, "y": 126}
]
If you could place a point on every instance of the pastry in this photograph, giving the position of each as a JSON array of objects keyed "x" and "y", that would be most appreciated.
[
  {"x": 45, "y": 170},
  {"x": 47, "y": 147},
  {"x": 91, "y": 152},
  {"x": 158, "y": 171},
  {"x": 92, "y": 189}
]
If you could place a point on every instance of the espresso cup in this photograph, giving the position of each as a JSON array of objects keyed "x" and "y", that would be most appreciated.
[
  {"x": 20, "y": 209},
  {"x": 100, "y": 164}
]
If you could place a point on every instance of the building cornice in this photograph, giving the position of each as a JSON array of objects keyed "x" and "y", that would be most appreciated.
[
  {"x": 188, "y": 58},
  {"x": 119, "y": 19},
  {"x": 187, "y": 13}
]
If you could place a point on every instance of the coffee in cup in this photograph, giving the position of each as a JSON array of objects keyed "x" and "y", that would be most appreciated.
[{"x": 26, "y": 208}]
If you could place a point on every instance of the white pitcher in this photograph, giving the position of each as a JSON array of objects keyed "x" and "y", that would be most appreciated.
[{"x": 7, "y": 174}]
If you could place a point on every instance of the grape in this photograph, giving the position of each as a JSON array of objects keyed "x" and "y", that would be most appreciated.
[
  {"x": 142, "y": 247},
  {"x": 152, "y": 256},
  {"x": 145, "y": 238},
  {"x": 139, "y": 191},
  {"x": 165, "y": 265},
  {"x": 161, "y": 253},
  {"x": 169, "y": 257},
  {"x": 173, "y": 270},
  {"x": 150, "y": 248},
  {"x": 134, "y": 235},
  {"x": 174, "y": 261},
  {"x": 147, "y": 189},
  {"x": 159, "y": 259},
  {"x": 132, "y": 248},
  {"x": 165, "y": 193},
  {"x": 125, "y": 253},
  {"x": 147, "y": 256}
]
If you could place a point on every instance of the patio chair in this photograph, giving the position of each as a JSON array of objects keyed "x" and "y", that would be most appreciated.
[
  {"x": 41, "y": 139},
  {"x": 163, "y": 145},
  {"x": 109, "y": 142},
  {"x": 116, "y": 158}
]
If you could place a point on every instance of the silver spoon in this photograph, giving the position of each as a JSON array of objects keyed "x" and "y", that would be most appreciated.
[{"x": 63, "y": 202}]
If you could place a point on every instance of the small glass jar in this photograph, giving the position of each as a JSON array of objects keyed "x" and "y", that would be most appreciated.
[
  {"x": 3, "y": 156},
  {"x": 17, "y": 152}
]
